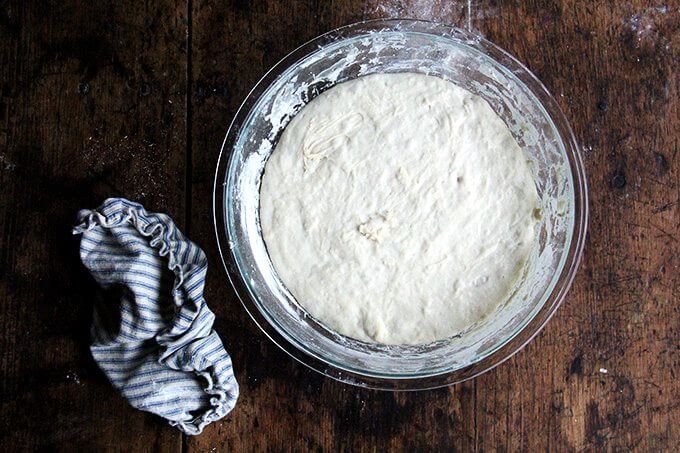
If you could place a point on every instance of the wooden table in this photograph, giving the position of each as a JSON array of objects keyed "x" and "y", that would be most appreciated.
[{"x": 133, "y": 98}]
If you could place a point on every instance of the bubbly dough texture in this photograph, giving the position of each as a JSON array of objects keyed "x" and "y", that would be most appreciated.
[{"x": 398, "y": 208}]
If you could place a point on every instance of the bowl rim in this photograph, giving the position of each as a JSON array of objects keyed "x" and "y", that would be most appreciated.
[{"x": 523, "y": 334}]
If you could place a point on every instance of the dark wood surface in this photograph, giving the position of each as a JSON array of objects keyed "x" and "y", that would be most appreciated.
[{"x": 133, "y": 98}]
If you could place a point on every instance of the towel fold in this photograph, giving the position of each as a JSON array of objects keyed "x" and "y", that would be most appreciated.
[{"x": 152, "y": 335}]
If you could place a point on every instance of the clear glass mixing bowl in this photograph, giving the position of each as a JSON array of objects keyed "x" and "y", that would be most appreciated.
[{"x": 513, "y": 92}]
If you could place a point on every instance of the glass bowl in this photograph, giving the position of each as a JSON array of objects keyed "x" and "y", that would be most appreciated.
[{"x": 537, "y": 124}]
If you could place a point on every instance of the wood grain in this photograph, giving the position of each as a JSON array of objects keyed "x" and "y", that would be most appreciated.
[
  {"x": 92, "y": 105},
  {"x": 131, "y": 98}
]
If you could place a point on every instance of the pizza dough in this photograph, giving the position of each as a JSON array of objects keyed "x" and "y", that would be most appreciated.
[{"x": 398, "y": 208}]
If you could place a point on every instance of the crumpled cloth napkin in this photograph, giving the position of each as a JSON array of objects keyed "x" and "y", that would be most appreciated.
[{"x": 153, "y": 337}]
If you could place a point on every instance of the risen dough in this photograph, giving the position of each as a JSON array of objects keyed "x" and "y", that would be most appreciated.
[{"x": 398, "y": 208}]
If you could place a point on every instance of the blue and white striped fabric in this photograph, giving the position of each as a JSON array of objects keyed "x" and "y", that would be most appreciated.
[{"x": 152, "y": 334}]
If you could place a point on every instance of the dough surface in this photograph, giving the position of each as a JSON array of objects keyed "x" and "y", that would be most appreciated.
[{"x": 398, "y": 208}]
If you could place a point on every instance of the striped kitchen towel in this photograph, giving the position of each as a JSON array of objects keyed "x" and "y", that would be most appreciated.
[{"x": 152, "y": 332}]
